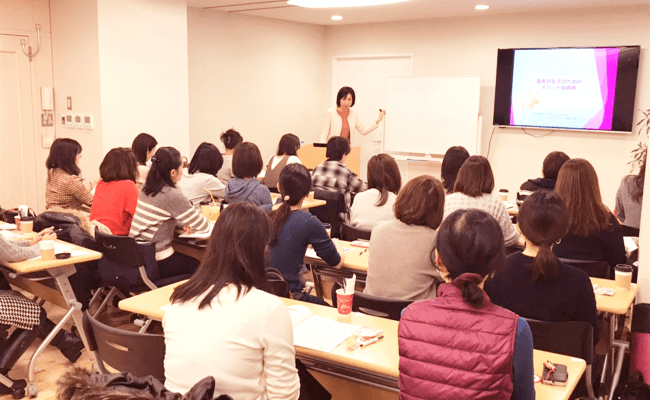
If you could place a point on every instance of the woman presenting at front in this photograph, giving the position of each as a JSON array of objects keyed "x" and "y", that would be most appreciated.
[{"x": 342, "y": 120}]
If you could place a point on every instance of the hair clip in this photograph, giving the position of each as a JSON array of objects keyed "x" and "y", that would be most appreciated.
[
  {"x": 155, "y": 159},
  {"x": 286, "y": 198}
]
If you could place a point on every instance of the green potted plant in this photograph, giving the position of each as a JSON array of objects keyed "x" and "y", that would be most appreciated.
[{"x": 639, "y": 153}]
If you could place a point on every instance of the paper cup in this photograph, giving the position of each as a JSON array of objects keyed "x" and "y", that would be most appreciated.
[
  {"x": 26, "y": 225},
  {"x": 328, "y": 228},
  {"x": 47, "y": 249},
  {"x": 211, "y": 211},
  {"x": 623, "y": 276},
  {"x": 17, "y": 222},
  {"x": 343, "y": 302},
  {"x": 503, "y": 194}
]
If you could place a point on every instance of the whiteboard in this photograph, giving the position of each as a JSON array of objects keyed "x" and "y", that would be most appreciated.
[{"x": 429, "y": 115}]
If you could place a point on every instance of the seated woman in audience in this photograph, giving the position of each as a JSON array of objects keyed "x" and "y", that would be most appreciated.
[
  {"x": 161, "y": 206},
  {"x": 144, "y": 147},
  {"x": 332, "y": 173},
  {"x": 230, "y": 138},
  {"x": 201, "y": 176},
  {"x": 222, "y": 324},
  {"x": 629, "y": 198},
  {"x": 399, "y": 266},
  {"x": 376, "y": 204},
  {"x": 552, "y": 164},
  {"x": 246, "y": 165},
  {"x": 116, "y": 195},
  {"x": 64, "y": 188},
  {"x": 293, "y": 230},
  {"x": 451, "y": 163},
  {"x": 536, "y": 273},
  {"x": 460, "y": 345},
  {"x": 29, "y": 319},
  {"x": 594, "y": 233},
  {"x": 287, "y": 154},
  {"x": 473, "y": 189}
]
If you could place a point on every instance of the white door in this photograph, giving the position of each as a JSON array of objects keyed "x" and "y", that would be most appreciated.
[
  {"x": 18, "y": 184},
  {"x": 368, "y": 76}
]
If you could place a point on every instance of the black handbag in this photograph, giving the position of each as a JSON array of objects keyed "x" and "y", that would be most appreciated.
[{"x": 633, "y": 389}]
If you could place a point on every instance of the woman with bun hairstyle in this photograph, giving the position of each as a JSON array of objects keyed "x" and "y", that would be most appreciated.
[
  {"x": 230, "y": 138},
  {"x": 376, "y": 204},
  {"x": 536, "y": 273},
  {"x": 293, "y": 229},
  {"x": 144, "y": 146},
  {"x": 342, "y": 120},
  {"x": 594, "y": 233},
  {"x": 460, "y": 345},
  {"x": 161, "y": 207},
  {"x": 64, "y": 187}
]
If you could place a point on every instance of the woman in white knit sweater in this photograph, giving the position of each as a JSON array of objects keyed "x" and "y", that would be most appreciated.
[
  {"x": 473, "y": 190},
  {"x": 376, "y": 204}
]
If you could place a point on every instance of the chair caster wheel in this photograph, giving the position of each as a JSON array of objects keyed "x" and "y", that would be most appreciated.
[{"x": 32, "y": 391}]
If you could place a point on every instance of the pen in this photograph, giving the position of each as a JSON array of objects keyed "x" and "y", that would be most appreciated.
[
  {"x": 361, "y": 252},
  {"x": 378, "y": 338}
]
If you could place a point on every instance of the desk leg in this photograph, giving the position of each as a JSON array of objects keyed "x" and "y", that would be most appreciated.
[
  {"x": 621, "y": 348},
  {"x": 61, "y": 278}
]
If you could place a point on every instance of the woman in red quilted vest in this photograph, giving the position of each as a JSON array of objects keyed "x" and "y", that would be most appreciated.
[{"x": 460, "y": 345}]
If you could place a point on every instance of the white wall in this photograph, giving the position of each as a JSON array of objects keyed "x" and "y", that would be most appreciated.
[
  {"x": 468, "y": 46},
  {"x": 75, "y": 67},
  {"x": 143, "y": 71},
  {"x": 263, "y": 77}
]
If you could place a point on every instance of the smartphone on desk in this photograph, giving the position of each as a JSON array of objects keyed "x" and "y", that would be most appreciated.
[{"x": 558, "y": 377}]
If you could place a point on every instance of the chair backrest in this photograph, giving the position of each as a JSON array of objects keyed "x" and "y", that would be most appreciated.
[
  {"x": 141, "y": 354},
  {"x": 374, "y": 305},
  {"x": 276, "y": 283},
  {"x": 123, "y": 256},
  {"x": 595, "y": 269},
  {"x": 573, "y": 338},
  {"x": 350, "y": 233},
  {"x": 330, "y": 212}
]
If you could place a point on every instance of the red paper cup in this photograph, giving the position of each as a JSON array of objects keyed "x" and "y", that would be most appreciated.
[{"x": 344, "y": 302}]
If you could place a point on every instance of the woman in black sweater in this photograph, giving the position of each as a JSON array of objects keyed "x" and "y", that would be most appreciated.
[
  {"x": 594, "y": 233},
  {"x": 535, "y": 284}
]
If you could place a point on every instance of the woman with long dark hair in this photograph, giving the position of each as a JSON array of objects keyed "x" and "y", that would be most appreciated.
[
  {"x": 222, "y": 324},
  {"x": 161, "y": 207},
  {"x": 451, "y": 163},
  {"x": 629, "y": 199},
  {"x": 64, "y": 187},
  {"x": 292, "y": 230},
  {"x": 481, "y": 350},
  {"x": 144, "y": 147},
  {"x": 594, "y": 233},
  {"x": 376, "y": 204},
  {"x": 536, "y": 273}
]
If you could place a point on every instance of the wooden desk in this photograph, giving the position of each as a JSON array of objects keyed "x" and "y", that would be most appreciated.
[
  {"x": 311, "y": 157},
  {"x": 306, "y": 205},
  {"x": 618, "y": 303},
  {"x": 376, "y": 365},
  {"x": 63, "y": 296}
]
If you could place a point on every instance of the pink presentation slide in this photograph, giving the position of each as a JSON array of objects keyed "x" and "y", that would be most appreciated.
[{"x": 564, "y": 88}]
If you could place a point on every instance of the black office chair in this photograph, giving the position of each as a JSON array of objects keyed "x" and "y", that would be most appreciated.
[
  {"x": 276, "y": 283},
  {"x": 573, "y": 338},
  {"x": 374, "y": 305},
  {"x": 350, "y": 233},
  {"x": 595, "y": 269},
  {"x": 128, "y": 267},
  {"x": 331, "y": 212},
  {"x": 141, "y": 354}
]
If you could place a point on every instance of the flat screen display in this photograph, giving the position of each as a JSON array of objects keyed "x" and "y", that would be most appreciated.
[{"x": 567, "y": 88}]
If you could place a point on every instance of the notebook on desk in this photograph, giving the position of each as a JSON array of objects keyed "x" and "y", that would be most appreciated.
[{"x": 316, "y": 332}]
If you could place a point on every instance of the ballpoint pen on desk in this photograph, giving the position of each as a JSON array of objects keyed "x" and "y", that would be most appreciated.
[{"x": 363, "y": 342}]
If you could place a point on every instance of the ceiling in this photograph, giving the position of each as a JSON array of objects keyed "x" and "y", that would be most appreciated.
[{"x": 410, "y": 10}]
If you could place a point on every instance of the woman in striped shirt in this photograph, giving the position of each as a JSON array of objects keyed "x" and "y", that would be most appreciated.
[
  {"x": 161, "y": 207},
  {"x": 64, "y": 187}
]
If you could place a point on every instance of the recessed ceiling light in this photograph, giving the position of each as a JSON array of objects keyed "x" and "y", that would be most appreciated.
[
  {"x": 336, "y": 17},
  {"x": 340, "y": 3},
  {"x": 482, "y": 7}
]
